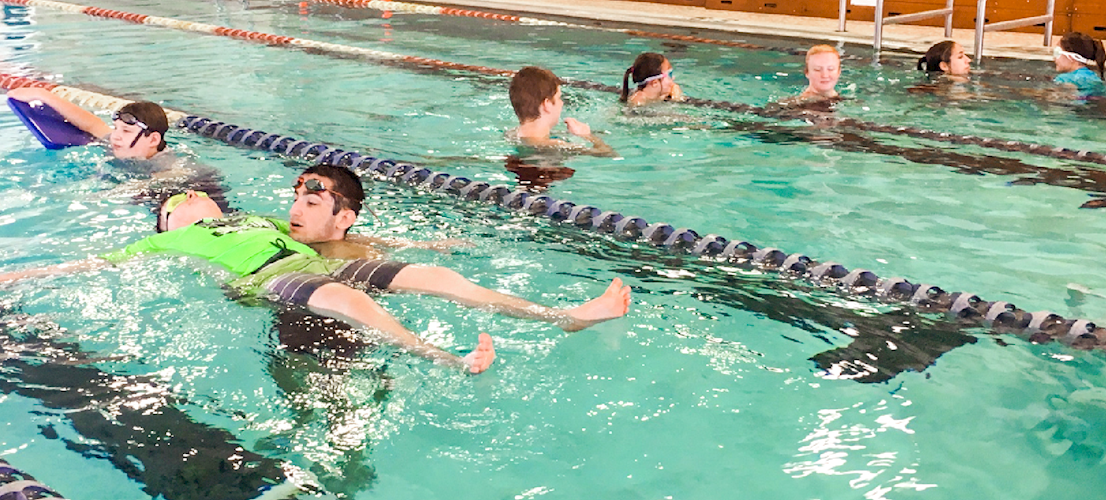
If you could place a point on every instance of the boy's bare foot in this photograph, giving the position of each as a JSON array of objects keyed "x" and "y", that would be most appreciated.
[
  {"x": 480, "y": 359},
  {"x": 614, "y": 303}
]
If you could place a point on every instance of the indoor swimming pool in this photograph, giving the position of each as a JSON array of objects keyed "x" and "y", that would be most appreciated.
[{"x": 722, "y": 381}]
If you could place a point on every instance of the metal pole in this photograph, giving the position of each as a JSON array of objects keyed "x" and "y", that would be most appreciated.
[
  {"x": 878, "y": 41},
  {"x": 980, "y": 20},
  {"x": 948, "y": 19},
  {"x": 842, "y": 8},
  {"x": 1048, "y": 24}
]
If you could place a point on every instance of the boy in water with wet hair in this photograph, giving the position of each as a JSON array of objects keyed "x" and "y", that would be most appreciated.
[
  {"x": 137, "y": 135},
  {"x": 536, "y": 98},
  {"x": 138, "y": 129},
  {"x": 822, "y": 70}
]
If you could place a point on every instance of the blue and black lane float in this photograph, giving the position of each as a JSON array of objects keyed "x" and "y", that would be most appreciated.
[
  {"x": 1001, "y": 317},
  {"x": 18, "y": 485}
]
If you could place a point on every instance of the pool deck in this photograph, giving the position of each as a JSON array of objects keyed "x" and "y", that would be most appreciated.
[{"x": 899, "y": 38}]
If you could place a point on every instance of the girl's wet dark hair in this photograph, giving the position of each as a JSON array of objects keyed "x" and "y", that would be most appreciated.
[
  {"x": 646, "y": 65},
  {"x": 1087, "y": 47},
  {"x": 940, "y": 52}
]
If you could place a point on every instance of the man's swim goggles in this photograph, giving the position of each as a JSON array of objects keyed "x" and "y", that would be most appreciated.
[
  {"x": 1057, "y": 52},
  {"x": 314, "y": 186},
  {"x": 171, "y": 204}
]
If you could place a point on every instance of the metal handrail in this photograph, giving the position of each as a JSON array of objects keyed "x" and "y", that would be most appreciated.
[
  {"x": 842, "y": 9},
  {"x": 981, "y": 26},
  {"x": 906, "y": 18},
  {"x": 877, "y": 42}
]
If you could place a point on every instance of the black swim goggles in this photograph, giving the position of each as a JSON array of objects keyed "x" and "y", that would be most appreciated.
[
  {"x": 130, "y": 119},
  {"x": 314, "y": 186}
]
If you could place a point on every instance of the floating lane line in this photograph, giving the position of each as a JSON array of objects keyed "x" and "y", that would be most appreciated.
[
  {"x": 423, "y": 62},
  {"x": 414, "y": 8},
  {"x": 79, "y": 96},
  {"x": 255, "y": 36}
]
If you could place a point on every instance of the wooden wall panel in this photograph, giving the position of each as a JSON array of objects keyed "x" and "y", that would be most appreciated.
[
  {"x": 787, "y": 7},
  {"x": 689, "y": 3},
  {"x": 1088, "y": 16}
]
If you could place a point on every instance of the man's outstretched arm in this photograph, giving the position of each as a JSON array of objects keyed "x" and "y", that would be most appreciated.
[
  {"x": 76, "y": 115},
  {"x": 77, "y": 266},
  {"x": 355, "y": 307}
]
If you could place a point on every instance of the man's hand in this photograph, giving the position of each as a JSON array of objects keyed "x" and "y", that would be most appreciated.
[{"x": 577, "y": 127}]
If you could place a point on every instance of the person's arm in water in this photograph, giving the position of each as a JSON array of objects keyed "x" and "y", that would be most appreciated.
[
  {"x": 73, "y": 267},
  {"x": 583, "y": 131},
  {"x": 677, "y": 93},
  {"x": 360, "y": 246},
  {"x": 75, "y": 114}
]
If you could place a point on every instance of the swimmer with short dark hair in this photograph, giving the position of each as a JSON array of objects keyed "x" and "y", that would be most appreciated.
[
  {"x": 138, "y": 128},
  {"x": 136, "y": 136},
  {"x": 536, "y": 98},
  {"x": 652, "y": 75}
]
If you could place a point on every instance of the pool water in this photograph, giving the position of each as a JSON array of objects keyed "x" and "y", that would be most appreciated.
[{"x": 718, "y": 383}]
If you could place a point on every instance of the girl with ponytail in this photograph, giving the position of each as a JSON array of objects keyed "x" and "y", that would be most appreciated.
[
  {"x": 1074, "y": 56},
  {"x": 948, "y": 59},
  {"x": 652, "y": 74}
]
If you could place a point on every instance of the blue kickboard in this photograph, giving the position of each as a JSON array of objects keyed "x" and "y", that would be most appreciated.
[{"x": 48, "y": 126}]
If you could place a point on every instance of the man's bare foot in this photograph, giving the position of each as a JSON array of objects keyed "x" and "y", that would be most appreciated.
[
  {"x": 614, "y": 303},
  {"x": 479, "y": 360}
]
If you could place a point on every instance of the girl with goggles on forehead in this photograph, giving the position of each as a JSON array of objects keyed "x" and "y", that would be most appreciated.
[
  {"x": 652, "y": 74},
  {"x": 1074, "y": 56}
]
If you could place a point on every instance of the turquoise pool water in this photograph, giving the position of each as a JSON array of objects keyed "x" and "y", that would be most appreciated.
[{"x": 705, "y": 390}]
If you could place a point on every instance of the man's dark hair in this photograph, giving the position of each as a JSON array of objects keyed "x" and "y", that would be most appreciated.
[
  {"x": 346, "y": 183},
  {"x": 152, "y": 115},
  {"x": 530, "y": 87}
]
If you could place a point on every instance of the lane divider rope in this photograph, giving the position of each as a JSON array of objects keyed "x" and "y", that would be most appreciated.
[
  {"x": 423, "y": 62},
  {"x": 79, "y": 96},
  {"x": 414, "y": 8},
  {"x": 1001, "y": 316},
  {"x": 18, "y": 485}
]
